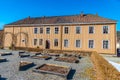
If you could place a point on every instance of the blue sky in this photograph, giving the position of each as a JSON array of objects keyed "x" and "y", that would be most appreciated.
[{"x": 12, "y": 10}]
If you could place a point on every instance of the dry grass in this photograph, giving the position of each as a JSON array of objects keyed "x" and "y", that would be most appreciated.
[
  {"x": 104, "y": 70},
  {"x": 90, "y": 72}
]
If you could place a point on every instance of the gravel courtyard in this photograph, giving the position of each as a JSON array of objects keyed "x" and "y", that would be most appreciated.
[{"x": 10, "y": 70}]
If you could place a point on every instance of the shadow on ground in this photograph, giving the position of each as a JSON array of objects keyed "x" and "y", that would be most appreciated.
[
  {"x": 71, "y": 74},
  {"x": 3, "y": 78}
]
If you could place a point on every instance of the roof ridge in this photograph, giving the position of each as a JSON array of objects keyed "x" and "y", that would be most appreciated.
[{"x": 60, "y": 16}]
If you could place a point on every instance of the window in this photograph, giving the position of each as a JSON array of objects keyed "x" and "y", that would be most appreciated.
[
  {"x": 66, "y": 30},
  {"x": 105, "y": 44},
  {"x": 40, "y": 41},
  {"x": 35, "y": 41},
  {"x": 35, "y": 30},
  {"x": 56, "y": 30},
  {"x": 47, "y": 30},
  {"x": 91, "y": 30},
  {"x": 23, "y": 40},
  {"x": 77, "y": 30},
  {"x": 105, "y": 30},
  {"x": 91, "y": 43},
  {"x": 77, "y": 43},
  {"x": 65, "y": 43},
  {"x": 41, "y": 30},
  {"x": 56, "y": 42}
]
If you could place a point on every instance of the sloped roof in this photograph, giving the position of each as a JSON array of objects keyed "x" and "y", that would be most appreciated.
[{"x": 83, "y": 18}]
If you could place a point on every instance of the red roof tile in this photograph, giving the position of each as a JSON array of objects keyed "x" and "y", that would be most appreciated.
[{"x": 85, "y": 18}]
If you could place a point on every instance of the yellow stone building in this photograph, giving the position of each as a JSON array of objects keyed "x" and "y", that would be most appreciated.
[{"x": 83, "y": 32}]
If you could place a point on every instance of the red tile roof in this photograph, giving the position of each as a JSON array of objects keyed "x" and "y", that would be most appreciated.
[{"x": 85, "y": 18}]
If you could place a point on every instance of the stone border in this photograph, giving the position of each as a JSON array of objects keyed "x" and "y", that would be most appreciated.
[{"x": 50, "y": 72}]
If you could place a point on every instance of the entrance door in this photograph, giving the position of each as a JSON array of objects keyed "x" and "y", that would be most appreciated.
[{"x": 47, "y": 44}]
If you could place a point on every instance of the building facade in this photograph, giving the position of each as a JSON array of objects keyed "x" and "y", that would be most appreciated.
[
  {"x": 1, "y": 38},
  {"x": 84, "y": 32}
]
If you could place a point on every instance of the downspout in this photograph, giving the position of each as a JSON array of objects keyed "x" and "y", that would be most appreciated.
[
  {"x": 20, "y": 38},
  {"x": 61, "y": 36},
  {"x": 115, "y": 40},
  {"x": 13, "y": 42}
]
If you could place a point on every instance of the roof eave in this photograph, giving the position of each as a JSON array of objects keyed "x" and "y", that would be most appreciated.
[{"x": 61, "y": 24}]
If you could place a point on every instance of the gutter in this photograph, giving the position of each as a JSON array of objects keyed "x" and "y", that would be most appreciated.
[{"x": 60, "y": 24}]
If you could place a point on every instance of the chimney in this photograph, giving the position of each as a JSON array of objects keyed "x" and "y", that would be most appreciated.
[
  {"x": 28, "y": 17},
  {"x": 96, "y": 14},
  {"x": 82, "y": 13},
  {"x": 43, "y": 16}
]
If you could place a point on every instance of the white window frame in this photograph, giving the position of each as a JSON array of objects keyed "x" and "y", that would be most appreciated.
[
  {"x": 67, "y": 44},
  {"x": 55, "y": 30},
  {"x": 42, "y": 29},
  {"x": 108, "y": 44},
  {"x": 108, "y": 29},
  {"x": 46, "y": 30},
  {"x": 76, "y": 29},
  {"x": 54, "y": 43},
  {"x": 39, "y": 41},
  {"x": 75, "y": 43},
  {"x": 93, "y": 43},
  {"x": 93, "y": 29},
  {"x": 36, "y": 42},
  {"x": 64, "y": 29},
  {"x": 37, "y": 30}
]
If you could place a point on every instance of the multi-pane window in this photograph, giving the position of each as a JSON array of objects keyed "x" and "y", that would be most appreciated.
[
  {"x": 56, "y": 30},
  {"x": 35, "y": 30},
  {"x": 41, "y": 30},
  {"x": 91, "y": 30},
  {"x": 40, "y": 41},
  {"x": 105, "y": 29},
  {"x": 91, "y": 43},
  {"x": 105, "y": 44},
  {"x": 56, "y": 42},
  {"x": 35, "y": 41},
  {"x": 77, "y": 30},
  {"x": 47, "y": 30},
  {"x": 65, "y": 43},
  {"x": 77, "y": 43},
  {"x": 66, "y": 30}
]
